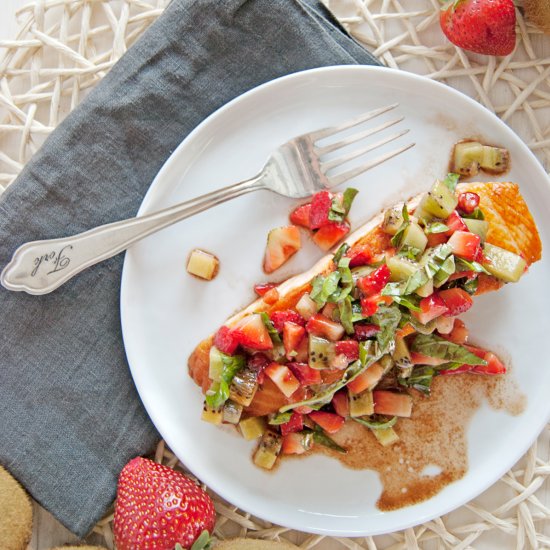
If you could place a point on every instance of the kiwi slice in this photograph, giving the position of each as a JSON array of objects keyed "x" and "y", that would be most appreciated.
[
  {"x": 503, "y": 264},
  {"x": 440, "y": 201}
]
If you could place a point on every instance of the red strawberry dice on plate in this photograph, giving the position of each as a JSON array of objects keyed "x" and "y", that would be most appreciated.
[
  {"x": 349, "y": 348},
  {"x": 328, "y": 235},
  {"x": 320, "y": 206},
  {"x": 295, "y": 424},
  {"x": 295, "y": 444},
  {"x": 226, "y": 340},
  {"x": 459, "y": 334},
  {"x": 367, "y": 379},
  {"x": 430, "y": 307},
  {"x": 305, "y": 374},
  {"x": 340, "y": 402},
  {"x": 421, "y": 359},
  {"x": 279, "y": 318},
  {"x": 292, "y": 336},
  {"x": 360, "y": 255},
  {"x": 375, "y": 282},
  {"x": 457, "y": 301},
  {"x": 455, "y": 223},
  {"x": 252, "y": 333},
  {"x": 365, "y": 330},
  {"x": 464, "y": 244},
  {"x": 301, "y": 215},
  {"x": 262, "y": 288},
  {"x": 322, "y": 326},
  {"x": 283, "y": 378},
  {"x": 282, "y": 243},
  {"x": 149, "y": 495},
  {"x": 392, "y": 403},
  {"x": 330, "y": 422},
  {"x": 494, "y": 365}
]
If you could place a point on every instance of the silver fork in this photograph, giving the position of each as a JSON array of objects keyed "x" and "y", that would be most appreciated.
[{"x": 296, "y": 169}]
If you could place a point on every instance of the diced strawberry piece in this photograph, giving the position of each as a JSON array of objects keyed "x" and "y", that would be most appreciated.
[
  {"x": 328, "y": 310},
  {"x": 322, "y": 326},
  {"x": 283, "y": 378},
  {"x": 292, "y": 336},
  {"x": 339, "y": 361},
  {"x": 367, "y": 379},
  {"x": 463, "y": 275},
  {"x": 331, "y": 375},
  {"x": 366, "y": 330},
  {"x": 258, "y": 362},
  {"x": 282, "y": 243},
  {"x": 303, "y": 409},
  {"x": 430, "y": 307},
  {"x": 305, "y": 374},
  {"x": 435, "y": 239},
  {"x": 328, "y": 235},
  {"x": 300, "y": 215},
  {"x": 459, "y": 334},
  {"x": 360, "y": 254},
  {"x": 279, "y": 318},
  {"x": 330, "y": 422},
  {"x": 369, "y": 305},
  {"x": 262, "y": 288},
  {"x": 302, "y": 352},
  {"x": 293, "y": 444},
  {"x": 252, "y": 333},
  {"x": 321, "y": 203},
  {"x": 421, "y": 359},
  {"x": 349, "y": 348},
  {"x": 375, "y": 282},
  {"x": 295, "y": 424},
  {"x": 457, "y": 301},
  {"x": 477, "y": 351},
  {"x": 468, "y": 202},
  {"x": 494, "y": 365},
  {"x": 455, "y": 223},
  {"x": 392, "y": 403},
  {"x": 464, "y": 244},
  {"x": 340, "y": 402},
  {"x": 226, "y": 340}
]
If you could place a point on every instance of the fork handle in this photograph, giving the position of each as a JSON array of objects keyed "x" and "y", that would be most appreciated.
[{"x": 38, "y": 267}]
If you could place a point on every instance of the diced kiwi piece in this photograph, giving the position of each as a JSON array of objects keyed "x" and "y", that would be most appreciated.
[
  {"x": 361, "y": 271},
  {"x": 215, "y": 367},
  {"x": 321, "y": 352},
  {"x": 361, "y": 404},
  {"x": 414, "y": 237},
  {"x": 467, "y": 156},
  {"x": 423, "y": 216},
  {"x": 268, "y": 450},
  {"x": 213, "y": 416},
  {"x": 401, "y": 354},
  {"x": 440, "y": 201},
  {"x": 503, "y": 264},
  {"x": 393, "y": 219},
  {"x": 252, "y": 427},
  {"x": 495, "y": 160},
  {"x": 385, "y": 436},
  {"x": 232, "y": 412},
  {"x": 479, "y": 227},
  {"x": 426, "y": 290},
  {"x": 401, "y": 268},
  {"x": 244, "y": 386}
]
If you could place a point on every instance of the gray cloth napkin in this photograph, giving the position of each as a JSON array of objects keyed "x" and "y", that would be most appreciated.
[{"x": 70, "y": 417}]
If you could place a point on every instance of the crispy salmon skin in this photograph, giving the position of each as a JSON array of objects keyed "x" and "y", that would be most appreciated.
[{"x": 511, "y": 226}]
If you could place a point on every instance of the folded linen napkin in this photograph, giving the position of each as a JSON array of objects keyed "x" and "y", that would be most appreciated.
[{"x": 70, "y": 417}]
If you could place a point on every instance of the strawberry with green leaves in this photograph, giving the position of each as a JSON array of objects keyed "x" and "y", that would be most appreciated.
[
  {"x": 158, "y": 508},
  {"x": 482, "y": 26}
]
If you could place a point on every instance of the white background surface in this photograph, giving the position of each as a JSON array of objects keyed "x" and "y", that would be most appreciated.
[{"x": 8, "y": 23}]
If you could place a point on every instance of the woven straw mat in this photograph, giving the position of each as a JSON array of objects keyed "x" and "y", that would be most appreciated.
[{"x": 64, "y": 47}]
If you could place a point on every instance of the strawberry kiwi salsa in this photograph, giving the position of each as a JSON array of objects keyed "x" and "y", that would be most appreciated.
[{"x": 367, "y": 335}]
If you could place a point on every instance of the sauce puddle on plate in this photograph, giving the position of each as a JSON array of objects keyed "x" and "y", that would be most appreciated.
[{"x": 432, "y": 451}]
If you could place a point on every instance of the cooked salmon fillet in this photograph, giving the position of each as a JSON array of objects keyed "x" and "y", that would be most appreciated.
[{"x": 511, "y": 226}]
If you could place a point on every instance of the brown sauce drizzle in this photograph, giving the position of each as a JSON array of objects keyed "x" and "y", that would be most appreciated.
[{"x": 433, "y": 441}]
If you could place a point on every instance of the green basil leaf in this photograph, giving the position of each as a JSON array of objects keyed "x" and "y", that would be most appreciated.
[
  {"x": 446, "y": 269},
  {"x": 345, "y": 309},
  {"x": 410, "y": 302},
  {"x": 387, "y": 318},
  {"x": 409, "y": 252},
  {"x": 434, "y": 346},
  {"x": 268, "y": 323},
  {"x": 470, "y": 266},
  {"x": 420, "y": 379},
  {"x": 339, "y": 254},
  {"x": 451, "y": 181},
  {"x": 376, "y": 424},
  {"x": 436, "y": 227},
  {"x": 349, "y": 195},
  {"x": 471, "y": 286},
  {"x": 218, "y": 393},
  {"x": 280, "y": 418},
  {"x": 477, "y": 214},
  {"x": 324, "y": 286},
  {"x": 321, "y": 438},
  {"x": 341, "y": 205}
]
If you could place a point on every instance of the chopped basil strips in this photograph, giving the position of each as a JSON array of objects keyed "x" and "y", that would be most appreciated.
[
  {"x": 434, "y": 346},
  {"x": 451, "y": 181},
  {"x": 340, "y": 206},
  {"x": 340, "y": 253},
  {"x": 273, "y": 333},
  {"x": 321, "y": 438},
  {"x": 387, "y": 318},
  {"x": 420, "y": 379},
  {"x": 477, "y": 214},
  {"x": 436, "y": 227},
  {"x": 376, "y": 424},
  {"x": 398, "y": 237},
  {"x": 346, "y": 314},
  {"x": 409, "y": 252},
  {"x": 324, "y": 287},
  {"x": 470, "y": 266},
  {"x": 280, "y": 418},
  {"x": 218, "y": 393},
  {"x": 470, "y": 286},
  {"x": 411, "y": 302}
]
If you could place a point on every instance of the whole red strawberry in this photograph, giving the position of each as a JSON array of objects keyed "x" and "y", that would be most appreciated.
[
  {"x": 481, "y": 26},
  {"x": 157, "y": 508}
]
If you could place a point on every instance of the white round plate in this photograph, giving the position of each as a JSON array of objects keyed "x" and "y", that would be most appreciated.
[{"x": 166, "y": 312}]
